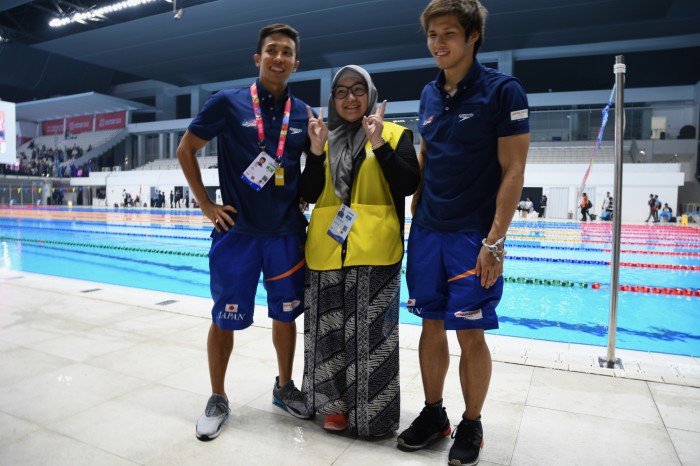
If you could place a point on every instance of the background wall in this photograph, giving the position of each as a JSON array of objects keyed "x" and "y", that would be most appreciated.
[
  {"x": 638, "y": 181},
  {"x": 559, "y": 182}
]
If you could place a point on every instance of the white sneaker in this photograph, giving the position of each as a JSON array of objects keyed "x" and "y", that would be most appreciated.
[{"x": 212, "y": 420}]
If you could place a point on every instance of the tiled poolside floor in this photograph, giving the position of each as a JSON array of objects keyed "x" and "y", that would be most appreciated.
[{"x": 94, "y": 374}]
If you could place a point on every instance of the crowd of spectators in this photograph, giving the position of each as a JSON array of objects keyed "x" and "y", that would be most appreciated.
[{"x": 49, "y": 161}]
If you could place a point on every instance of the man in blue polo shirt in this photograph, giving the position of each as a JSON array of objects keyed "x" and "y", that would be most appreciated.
[
  {"x": 475, "y": 130},
  {"x": 261, "y": 133}
]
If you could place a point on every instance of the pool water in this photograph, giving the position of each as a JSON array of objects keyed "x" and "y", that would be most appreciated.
[{"x": 557, "y": 287}]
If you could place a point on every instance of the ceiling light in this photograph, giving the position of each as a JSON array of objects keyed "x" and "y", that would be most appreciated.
[
  {"x": 177, "y": 14},
  {"x": 97, "y": 13}
]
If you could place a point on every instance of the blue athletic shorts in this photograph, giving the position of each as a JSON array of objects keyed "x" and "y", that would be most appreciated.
[
  {"x": 235, "y": 262},
  {"x": 442, "y": 281}
]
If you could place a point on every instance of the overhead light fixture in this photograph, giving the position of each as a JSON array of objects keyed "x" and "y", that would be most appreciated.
[
  {"x": 97, "y": 13},
  {"x": 177, "y": 14}
]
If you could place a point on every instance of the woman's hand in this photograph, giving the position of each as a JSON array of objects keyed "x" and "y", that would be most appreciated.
[
  {"x": 318, "y": 132},
  {"x": 374, "y": 124}
]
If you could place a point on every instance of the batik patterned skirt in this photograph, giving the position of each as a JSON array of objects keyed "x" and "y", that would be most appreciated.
[{"x": 351, "y": 346}]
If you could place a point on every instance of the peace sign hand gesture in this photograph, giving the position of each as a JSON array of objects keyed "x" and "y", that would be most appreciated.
[
  {"x": 318, "y": 132},
  {"x": 374, "y": 124}
]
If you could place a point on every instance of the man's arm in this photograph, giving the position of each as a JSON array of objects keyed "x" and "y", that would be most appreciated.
[
  {"x": 187, "y": 155},
  {"x": 512, "y": 154},
  {"x": 419, "y": 190}
]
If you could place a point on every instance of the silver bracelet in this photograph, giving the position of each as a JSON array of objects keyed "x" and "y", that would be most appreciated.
[{"x": 379, "y": 144}]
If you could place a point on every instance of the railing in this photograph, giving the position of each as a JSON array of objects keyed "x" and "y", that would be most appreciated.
[
  {"x": 29, "y": 190},
  {"x": 569, "y": 154},
  {"x": 174, "y": 164},
  {"x": 106, "y": 144}
]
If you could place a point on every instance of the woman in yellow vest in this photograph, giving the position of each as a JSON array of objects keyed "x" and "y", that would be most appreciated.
[{"x": 358, "y": 174}]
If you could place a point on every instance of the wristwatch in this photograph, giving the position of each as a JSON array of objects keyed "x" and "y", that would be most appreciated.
[{"x": 497, "y": 248}]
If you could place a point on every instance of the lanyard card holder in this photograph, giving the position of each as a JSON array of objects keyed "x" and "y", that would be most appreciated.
[
  {"x": 342, "y": 223},
  {"x": 256, "y": 179},
  {"x": 260, "y": 171}
]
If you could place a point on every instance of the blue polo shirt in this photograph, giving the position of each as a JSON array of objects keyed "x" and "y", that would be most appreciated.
[
  {"x": 461, "y": 173},
  {"x": 228, "y": 115}
]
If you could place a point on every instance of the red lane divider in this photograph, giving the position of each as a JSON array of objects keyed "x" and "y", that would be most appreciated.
[
  {"x": 660, "y": 244},
  {"x": 654, "y": 290},
  {"x": 660, "y": 266},
  {"x": 657, "y": 253},
  {"x": 642, "y": 228}
]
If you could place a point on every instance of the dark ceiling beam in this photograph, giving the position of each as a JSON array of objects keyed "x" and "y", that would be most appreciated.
[
  {"x": 20, "y": 30},
  {"x": 43, "y": 8},
  {"x": 78, "y": 6},
  {"x": 58, "y": 7},
  {"x": 13, "y": 33},
  {"x": 10, "y": 4}
]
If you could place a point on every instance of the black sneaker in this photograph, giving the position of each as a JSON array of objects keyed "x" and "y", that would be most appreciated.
[
  {"x": 469, "y": 440},
  {"x": 289, "y": 398},
  {"x": 431, "y": 424}
]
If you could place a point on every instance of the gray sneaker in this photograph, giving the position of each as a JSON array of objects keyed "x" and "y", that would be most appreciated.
[
  {"x": 212, "y": 420},
  {"x": 289, "y": 398}
]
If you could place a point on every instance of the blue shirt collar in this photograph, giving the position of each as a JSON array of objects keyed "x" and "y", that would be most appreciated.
[
  {"x": 469, "y": 80},
  {"x": 266, "y": 95}
]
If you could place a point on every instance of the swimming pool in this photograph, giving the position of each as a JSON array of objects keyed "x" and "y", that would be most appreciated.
[{"x": 557, "y": 274}]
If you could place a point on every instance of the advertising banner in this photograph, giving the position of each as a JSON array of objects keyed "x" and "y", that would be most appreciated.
[
  {"x": 114, "y": 120},
  {"x": 52, "y": 127},
  {"x": 80, "y": 124}
]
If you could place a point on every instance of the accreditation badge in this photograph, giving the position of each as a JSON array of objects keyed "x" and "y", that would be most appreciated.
[
  {"x": 342, "y": 223},
  {"x": 260, "y": 171}
]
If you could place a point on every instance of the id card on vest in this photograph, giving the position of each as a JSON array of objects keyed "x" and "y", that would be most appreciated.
[
  {"x": 342, "y": 223},
  {"x": 260, "y": 171}
]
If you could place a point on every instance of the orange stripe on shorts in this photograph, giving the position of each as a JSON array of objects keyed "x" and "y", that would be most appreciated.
[
  {"x": 288, "y": 272},
  {"x": 462, "y": 275}
]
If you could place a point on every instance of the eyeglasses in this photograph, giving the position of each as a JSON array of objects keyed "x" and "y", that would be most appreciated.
[{"x": 341, "y": 92}]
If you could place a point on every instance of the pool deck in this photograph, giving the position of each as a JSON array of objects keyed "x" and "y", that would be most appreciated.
[{"x": 96, "y": 374}]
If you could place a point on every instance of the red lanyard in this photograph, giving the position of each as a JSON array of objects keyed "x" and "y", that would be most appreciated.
[{"x": 259, "y": 122}]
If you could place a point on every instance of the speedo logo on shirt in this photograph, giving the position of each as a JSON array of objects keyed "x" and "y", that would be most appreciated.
[
  {"x": 294, "y": 130},
  {"x": 469, "y": 315},
  {"x": 465, "y": 116}
]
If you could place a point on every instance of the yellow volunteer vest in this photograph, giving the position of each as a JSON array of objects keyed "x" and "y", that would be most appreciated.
[{"x": 375, "y": 237}]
